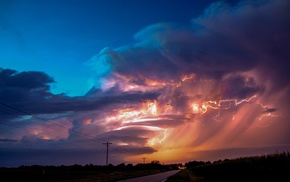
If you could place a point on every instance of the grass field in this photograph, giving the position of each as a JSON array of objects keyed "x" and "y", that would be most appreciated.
[
  {"x": 78, "y": 173},
  {"x": 265, "y": 168},
  {"x": 73, "y": 176}
]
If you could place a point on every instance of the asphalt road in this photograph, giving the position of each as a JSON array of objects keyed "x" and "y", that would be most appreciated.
[{"x": 160, "y": 177}]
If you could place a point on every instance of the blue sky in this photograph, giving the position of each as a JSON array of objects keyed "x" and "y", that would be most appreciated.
[
  {"x": 172, "y": 81},
  {"x": 59, "y": 37}
]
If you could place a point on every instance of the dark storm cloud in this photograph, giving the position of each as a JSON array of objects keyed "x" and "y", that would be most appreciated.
[
  {"x": 8, "y": 140},
  {"x": 240, "y": 86},
  {"x": 126, "y": 135},
  {"x": 269, "y": 110},
  {"x": 60, "y": 104},
  {"x": 19, "y": 87},
  {"x": 29, "y": 92},
  {"x": 132, "y": 137},
  {"x": 28, "y": 80},
  {"x": 129, "y": 150},
  {"x": 259, "y": 28},
  {"x": 223, "y": 40},
  {"x": 179, "y": 51}
]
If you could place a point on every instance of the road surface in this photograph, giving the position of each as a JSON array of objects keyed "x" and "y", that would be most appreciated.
[{"x": 160, "y": 177}]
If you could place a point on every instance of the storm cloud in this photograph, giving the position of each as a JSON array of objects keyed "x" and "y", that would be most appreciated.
[{"x": 217, "y": 84}]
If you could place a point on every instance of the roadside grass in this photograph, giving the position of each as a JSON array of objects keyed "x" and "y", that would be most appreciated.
[
  {"x": 79, "y": 173},
  {"x": 8, "y": 175},
  {"x": 184, "y": 176},
  {"x": 266, "y": 168},
  {"x": 117, "y": 175}
]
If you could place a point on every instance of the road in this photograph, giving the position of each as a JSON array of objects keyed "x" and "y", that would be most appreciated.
[{"x": 160, "y": 177}]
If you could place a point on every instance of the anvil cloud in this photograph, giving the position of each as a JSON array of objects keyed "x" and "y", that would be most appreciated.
[{"x": 217, "y": 88}]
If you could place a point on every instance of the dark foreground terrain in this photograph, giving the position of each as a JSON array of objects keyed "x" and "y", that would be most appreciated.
[
  {"x": 78, "y": 173},
  {"x": 266, "y": 168}
]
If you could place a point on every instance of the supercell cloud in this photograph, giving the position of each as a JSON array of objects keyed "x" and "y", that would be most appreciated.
[{"x": 216, "y": 88}]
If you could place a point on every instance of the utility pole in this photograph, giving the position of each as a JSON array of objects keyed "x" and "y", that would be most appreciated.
[
  {"x": 107, "y": 144},
  {"x": 144, "y": 158}
]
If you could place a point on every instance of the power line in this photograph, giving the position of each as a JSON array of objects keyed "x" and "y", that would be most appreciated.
[
  {"x": 107, "y": 144},
  {"x": 20, "y": 127},
  {"x": 61, "y": 126},
  {"x": 14, "y": 126},
  {"x": 5, "y": 112},
  {"x": 27, "y": 113},
  {"x": 78, "y": 132},
  {"x": 144, "y": 158}
]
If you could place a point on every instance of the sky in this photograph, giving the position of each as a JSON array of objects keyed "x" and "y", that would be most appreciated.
[{"x": 171, "y": 81}]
